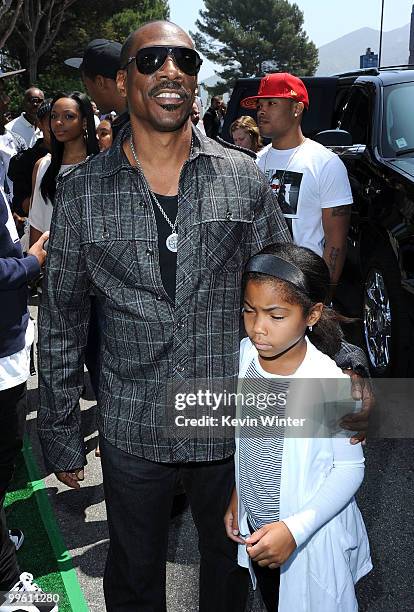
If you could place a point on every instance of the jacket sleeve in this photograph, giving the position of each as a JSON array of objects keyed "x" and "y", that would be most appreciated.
[
  {"x": 336, "y": 491},
  {"x": 63, "y": 326},
  {"x": 351, "y": 357},
  {"x": 16, "y": 272},
  {"x": 269, "y": 225}
]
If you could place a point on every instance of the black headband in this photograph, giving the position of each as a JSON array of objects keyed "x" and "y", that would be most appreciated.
[{"x": 279, "y": 268}]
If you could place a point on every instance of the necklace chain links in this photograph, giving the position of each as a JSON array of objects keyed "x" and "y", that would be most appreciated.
[{"x": 173, "y": 226}]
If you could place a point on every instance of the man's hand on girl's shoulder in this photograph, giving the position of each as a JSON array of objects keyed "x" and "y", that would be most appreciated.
[
  {"x": 361, "y": 389},
  {"x": 271, "y": 545}
]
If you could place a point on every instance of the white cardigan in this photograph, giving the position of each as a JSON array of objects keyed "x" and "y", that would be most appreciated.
[{"x": 332, "y": 555}]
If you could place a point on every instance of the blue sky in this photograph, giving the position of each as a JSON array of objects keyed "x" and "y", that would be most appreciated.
[{"x": 325, "y": 20}]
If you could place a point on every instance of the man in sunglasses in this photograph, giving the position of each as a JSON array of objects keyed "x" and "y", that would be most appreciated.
[
  {"x": 160, "y": 226},
  {"x": 25, "y": 124}
]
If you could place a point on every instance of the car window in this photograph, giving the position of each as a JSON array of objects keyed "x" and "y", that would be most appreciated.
[
  {"x": 355, "y": 117},
  {"x": 398, "y": 124}
]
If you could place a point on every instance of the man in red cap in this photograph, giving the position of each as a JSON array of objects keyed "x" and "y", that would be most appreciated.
[{"x": 310, "y": 182}]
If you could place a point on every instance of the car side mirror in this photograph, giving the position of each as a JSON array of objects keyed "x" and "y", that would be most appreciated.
[{"x": 332, "y": 138}]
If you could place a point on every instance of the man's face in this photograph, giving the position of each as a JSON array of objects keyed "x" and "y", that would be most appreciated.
[
  {"x": 275, "y": 116},
  {"x": 195, "y": 113},
  {"x": 216, "y": 103},
  {"x": 32, "y": 100},
  {"x": 98, "y": 92},
  {"x": 162, "y": 100}
]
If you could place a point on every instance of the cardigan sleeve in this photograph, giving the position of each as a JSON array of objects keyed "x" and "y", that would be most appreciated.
[{"x": 337, "y": 490}]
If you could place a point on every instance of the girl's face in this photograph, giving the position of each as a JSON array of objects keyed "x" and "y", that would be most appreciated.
[
  {"x": 104, "y": 135},
  {"x": 66, "y": 121},
  {"x": 274, "y": 326},
  {"x": 242, "y": 138}
]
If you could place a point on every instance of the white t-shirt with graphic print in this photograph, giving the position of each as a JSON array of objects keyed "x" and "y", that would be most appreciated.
[{"x": 305, "y": 180}]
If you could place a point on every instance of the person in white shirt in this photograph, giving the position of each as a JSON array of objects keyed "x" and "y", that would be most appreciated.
[
  {"x": 10, "y": 144},
  {"x": 293, "y": 511},
  {"x": 310, "y": 182},
  {"x": 25, "y": 124}
]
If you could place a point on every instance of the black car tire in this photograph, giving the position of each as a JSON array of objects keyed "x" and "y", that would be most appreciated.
[{"x": 385, "y": 321}]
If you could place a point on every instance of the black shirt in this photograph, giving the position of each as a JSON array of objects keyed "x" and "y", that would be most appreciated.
[
  {"x": 211, "y": 122},
  {"x": 20, "y": 172},
  {"x": 168, "y": 259}
]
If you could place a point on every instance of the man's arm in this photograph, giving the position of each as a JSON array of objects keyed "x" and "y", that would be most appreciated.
[
  {"x": 63, "y": 326},
  {"x": 15, "y": 272},
  {"x": 335, "y": 222},
  {"x": 269, "y": 225}
]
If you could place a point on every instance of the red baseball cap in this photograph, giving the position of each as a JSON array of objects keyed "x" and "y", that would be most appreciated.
[{"x": 279, "y": 85}]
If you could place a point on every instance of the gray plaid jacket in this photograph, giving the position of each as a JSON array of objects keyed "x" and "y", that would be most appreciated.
[{"x": 104, "y": 239}]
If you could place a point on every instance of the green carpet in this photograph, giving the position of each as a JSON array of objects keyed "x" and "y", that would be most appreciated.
[{"x": 43, "y": 553}]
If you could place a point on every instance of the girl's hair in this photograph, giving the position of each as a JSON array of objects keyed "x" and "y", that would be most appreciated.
[
  {"x": 48, "y": 184},
  {"x": 44, "y": 109},
  {"x": 327, "y": 334},
  {"x": 249, "y": 124}
]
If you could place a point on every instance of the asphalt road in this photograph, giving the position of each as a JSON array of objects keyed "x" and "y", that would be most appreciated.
[{"x": 386, "y": 500}]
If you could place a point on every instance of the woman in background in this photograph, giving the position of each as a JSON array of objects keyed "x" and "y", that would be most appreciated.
[
  {"x": 73, "y": 139},
  {"x": 246, "y": 134}
]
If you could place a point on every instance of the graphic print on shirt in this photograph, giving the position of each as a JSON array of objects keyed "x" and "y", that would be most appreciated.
[{"x": 286, "y": 186}]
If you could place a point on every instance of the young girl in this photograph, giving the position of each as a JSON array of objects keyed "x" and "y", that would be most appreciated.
[
  {"x": 73, "y": 139},
  {"x": 293, "y": 510}
]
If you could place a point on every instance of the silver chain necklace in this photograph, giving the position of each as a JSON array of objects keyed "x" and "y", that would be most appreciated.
[{"x": 172, "y": 240}]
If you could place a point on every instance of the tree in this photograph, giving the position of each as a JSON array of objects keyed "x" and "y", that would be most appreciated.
[
  {"x": 81, "y": 22},
  {"x": 38, "y": 26},
  {"x": 13, "y": 12},
  {"x": 253, "y": 37},
  {"x": 125, "y": 21}
]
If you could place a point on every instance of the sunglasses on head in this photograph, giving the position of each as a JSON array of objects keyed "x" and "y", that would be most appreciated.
[{"x": 150, "y": 59}]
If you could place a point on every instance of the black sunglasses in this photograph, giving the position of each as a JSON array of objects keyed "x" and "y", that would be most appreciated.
[{"x": 151, "y": 59}]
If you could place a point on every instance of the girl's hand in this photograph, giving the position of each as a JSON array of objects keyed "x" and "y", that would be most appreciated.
[
  {"x": 231, "y": 521},
  {"x": 271, "y": 545}
]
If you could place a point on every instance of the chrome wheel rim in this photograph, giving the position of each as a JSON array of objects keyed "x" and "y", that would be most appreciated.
[{"x": 377, "y": 320}]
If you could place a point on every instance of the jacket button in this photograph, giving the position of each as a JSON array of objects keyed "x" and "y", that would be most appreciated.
[
  {"x": 229, "y": 215},
  {"x": 159, "y": 298},
  {"x": 149, "y": 251},
  {"x": 180, "y": 368}
]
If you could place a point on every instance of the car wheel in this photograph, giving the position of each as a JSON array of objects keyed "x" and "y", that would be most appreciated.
[{"x": 385, "y": 319}]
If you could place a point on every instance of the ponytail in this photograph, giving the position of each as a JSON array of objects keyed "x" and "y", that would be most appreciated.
[{"x": 327, "y": 334}]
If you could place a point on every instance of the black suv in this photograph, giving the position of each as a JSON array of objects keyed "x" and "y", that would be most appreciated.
[{"x": 367, "y": 117}]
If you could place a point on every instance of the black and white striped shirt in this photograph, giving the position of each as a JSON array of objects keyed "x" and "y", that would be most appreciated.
[{"x": 260, "y": 453}]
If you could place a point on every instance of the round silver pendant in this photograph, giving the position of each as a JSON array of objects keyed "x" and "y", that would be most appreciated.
[{"x": 172, "y": 242}]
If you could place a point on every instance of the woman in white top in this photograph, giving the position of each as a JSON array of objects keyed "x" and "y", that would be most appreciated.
[
  {"x": 73, "y": 139},
  {"x": 293, "y": 511}
]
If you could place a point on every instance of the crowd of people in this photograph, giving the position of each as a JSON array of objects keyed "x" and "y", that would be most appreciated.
[{"x": 156, "y": 231}]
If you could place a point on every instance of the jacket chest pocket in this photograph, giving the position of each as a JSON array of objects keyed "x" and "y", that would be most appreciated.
[
  {"x": 222, "y": 243},
  {"x": 115, "y": 264}
]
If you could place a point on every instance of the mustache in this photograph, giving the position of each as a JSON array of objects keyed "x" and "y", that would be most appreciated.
[{"x": 169, "y": 85}]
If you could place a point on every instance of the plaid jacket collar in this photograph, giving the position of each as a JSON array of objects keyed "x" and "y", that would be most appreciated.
[{"x": 115, "y": 158}]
